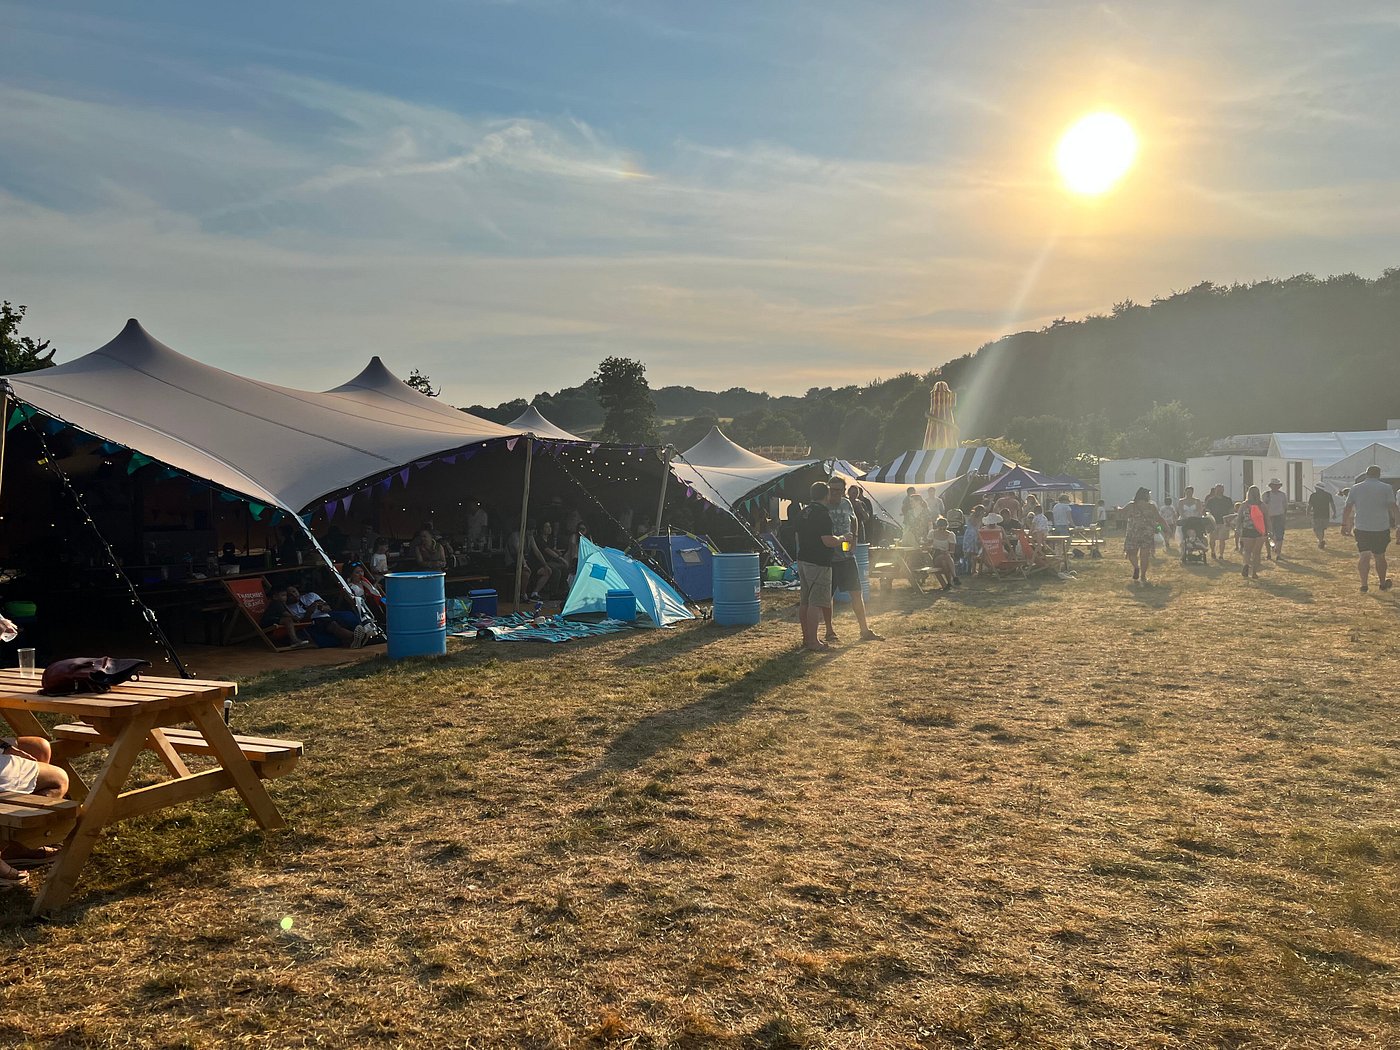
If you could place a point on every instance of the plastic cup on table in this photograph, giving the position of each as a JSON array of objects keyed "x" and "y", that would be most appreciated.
[{"x": 26, "y": 663}]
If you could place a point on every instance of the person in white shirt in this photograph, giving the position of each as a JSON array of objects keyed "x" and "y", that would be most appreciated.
[
  {"x": 1276, "y": 510},
  {"x": 1370, "y": 514},
  {"x": 1168, "y": 513},
  {"x": 1063, "y": 514}
]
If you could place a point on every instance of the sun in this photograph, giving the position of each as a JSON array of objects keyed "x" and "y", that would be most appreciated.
[{"x": 1096, "y": 152}]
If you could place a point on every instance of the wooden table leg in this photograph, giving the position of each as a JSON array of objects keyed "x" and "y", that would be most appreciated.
[
  {"x": 231, "y": 757},
  {"x": 96, "y": 811},
  {"x": 25, "y": 724},
  {"x": 174, "y": 764}
]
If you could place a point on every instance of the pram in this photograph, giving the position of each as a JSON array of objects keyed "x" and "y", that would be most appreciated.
[{"x": 1195, "y": 539}]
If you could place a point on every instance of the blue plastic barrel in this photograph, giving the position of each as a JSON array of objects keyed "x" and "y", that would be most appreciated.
[
  {"x": 621, "y": 605},
  {"x": 417, "y": 614},
  {"x": 863, "y": 567},
  {"x": 737, "y": 589}
]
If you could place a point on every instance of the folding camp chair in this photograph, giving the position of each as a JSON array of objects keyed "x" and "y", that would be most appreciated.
[
  {"x": 249, "y": 596},
  {"x": 998, "y": 558}
]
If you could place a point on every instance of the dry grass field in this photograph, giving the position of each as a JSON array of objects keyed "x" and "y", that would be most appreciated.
[{"x": 1061, "y": 814}]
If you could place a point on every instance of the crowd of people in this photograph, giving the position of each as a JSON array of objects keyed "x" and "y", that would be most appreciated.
[{"x": 1256, "y": 527}]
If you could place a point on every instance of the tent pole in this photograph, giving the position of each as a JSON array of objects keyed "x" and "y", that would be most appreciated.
[
  {"x": 524, "y": 513},
  {"x": 4, "y": 427},
  {"x": 666, "y": 455}
]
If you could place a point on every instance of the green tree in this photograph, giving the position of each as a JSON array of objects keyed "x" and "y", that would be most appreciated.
[
  {"x": 423, "y": 384},
  {"x": 859, "y": 437},
  {"x": 1163, "y": 433},
  {"x": 20, "y": 353},
  {"x": 904, "y": 427},
  {"x": 688, "y": 431},
  {"x": 629, "y": 415},
  {"x": 1049, "y": 440},
  {"x": 1002, "y": 446}
]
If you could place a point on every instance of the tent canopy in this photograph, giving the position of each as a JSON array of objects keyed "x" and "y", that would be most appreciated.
[
  {"x": 1023, "y": 479},
  {"x": 1328, "y": 447},
  {"x": 603, "y": 569},
  {"x": 1345, "y": 471},
  {"x": 725, "y": 473},
  {"x": 271, "y": 443},
  {"x": 532, "y": 421},
  {"x": 926, "y": 466},
  {"x": 887, "y": 498}
]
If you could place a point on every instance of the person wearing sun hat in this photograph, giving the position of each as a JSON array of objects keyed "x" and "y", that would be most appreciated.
[{"x": 1276, "y": 508}]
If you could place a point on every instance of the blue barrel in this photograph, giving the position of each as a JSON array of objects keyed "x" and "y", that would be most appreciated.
[
  {"x": 621, "y": 605},
  {"x": 863, "y": 567},
  {"x": 417, "y": 613},
  {"x": 737, "y": 589}
]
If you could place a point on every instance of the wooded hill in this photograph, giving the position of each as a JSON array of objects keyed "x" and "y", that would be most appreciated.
[{"x": 1297, "y": 354}]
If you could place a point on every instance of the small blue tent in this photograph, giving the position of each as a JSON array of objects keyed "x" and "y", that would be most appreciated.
[{"x": 602, "y": 569}]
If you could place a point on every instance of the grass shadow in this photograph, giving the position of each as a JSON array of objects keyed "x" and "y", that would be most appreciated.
[
  {"x": 1290, "y": 591},
  {"x": 1152, "y": 595},
  {"x": 725, "y": 704}
]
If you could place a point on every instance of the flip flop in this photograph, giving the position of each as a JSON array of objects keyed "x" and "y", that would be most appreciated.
[{"x": 43, "y": 860}]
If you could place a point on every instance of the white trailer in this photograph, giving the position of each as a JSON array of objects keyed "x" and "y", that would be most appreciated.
[
  {"x": 1119, "y": 480},
  {"x": 1237, "y": 473}
]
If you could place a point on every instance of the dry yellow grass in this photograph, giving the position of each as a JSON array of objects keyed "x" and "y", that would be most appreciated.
[{"x": 1048, "y": 814}]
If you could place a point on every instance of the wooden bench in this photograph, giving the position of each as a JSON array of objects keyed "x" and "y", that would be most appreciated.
[
  {"x": 35, "y": 820},
  {"x": 270, "y": 758}
]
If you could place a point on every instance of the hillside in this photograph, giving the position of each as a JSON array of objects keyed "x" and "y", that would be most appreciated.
[{"x": 1298, "y": 354}]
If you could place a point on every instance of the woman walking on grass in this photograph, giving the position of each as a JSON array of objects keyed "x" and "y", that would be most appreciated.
[
  {"x": 1143, "y": 520},
  {"x": 1253, "y": 530}
]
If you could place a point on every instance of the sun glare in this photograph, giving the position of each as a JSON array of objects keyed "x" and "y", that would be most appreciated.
[{"x": 1096, "y": 152}]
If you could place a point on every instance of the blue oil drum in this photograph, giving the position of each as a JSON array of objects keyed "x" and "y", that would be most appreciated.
[
  {"x": 417, "y": 614},
  {"x": 737, "y": 589},
  {"x": 863, "y": 567},
  {"x": 621, "y": 605}
]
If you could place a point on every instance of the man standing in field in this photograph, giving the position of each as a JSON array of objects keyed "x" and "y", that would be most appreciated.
[
  {"x": 1321, "y": 505},
  {"x": 815, "y": 541},
  {"x": 1371, "y": 513},
  {"x": 845, "y": 574},
  {"x": 1220, "y": 507},
  {"x": 1276, "y": 509}
]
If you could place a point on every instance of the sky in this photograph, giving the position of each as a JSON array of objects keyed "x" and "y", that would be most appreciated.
[{"x": 776, "y": 194}]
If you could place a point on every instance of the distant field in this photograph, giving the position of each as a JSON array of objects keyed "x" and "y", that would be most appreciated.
[{"x": 1076, "y": 814}]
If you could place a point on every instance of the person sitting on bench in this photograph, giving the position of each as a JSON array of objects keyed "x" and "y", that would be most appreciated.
[{"x": 26, "y": 769}]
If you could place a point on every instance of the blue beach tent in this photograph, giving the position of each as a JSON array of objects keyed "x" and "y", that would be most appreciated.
[{"x": 602, "y": 569}]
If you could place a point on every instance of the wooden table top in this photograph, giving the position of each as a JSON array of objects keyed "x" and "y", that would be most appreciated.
[{"x": 148, "y": 694}]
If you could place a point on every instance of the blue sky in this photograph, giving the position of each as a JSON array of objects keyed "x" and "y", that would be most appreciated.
[{"x": 768, "y": 194}]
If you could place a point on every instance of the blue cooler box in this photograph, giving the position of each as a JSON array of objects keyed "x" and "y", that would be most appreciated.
[
  {"x": 621, "y": 605},
  {"x": 483, "y": 601}
]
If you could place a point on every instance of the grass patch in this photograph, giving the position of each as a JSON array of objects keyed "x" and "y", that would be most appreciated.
[{"x": 701, "y": 838}]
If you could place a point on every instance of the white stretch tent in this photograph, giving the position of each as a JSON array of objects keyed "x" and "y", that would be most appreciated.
[
  {"x": 281, "y": 446},
  {"x": 391, "y": 398},
  {"x": 532, "y": 421},
  {"x": 723, "y": 472}
]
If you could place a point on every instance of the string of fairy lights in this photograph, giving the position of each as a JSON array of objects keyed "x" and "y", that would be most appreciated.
[{"x": 147, "y": 614}]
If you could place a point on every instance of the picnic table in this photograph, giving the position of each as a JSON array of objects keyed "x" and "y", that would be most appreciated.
[
  {"x": 886, "y": 562},
  {"x": 137, "y": 716}
]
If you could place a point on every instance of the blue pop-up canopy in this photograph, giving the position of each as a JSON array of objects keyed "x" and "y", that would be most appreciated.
[{"x": 603, "y": 569}]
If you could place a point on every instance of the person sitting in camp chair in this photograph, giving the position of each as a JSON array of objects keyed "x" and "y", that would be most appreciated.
[
  {"x": 279, "y": 614},
  {"x": 329, "y": 627},
  {"x": 942, "y": 543}
]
